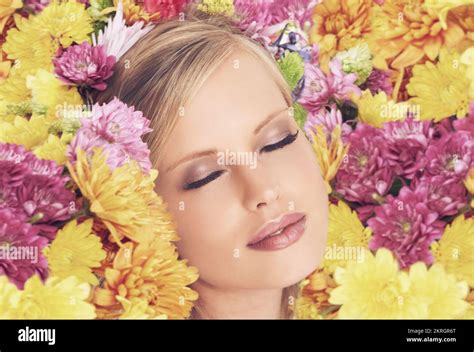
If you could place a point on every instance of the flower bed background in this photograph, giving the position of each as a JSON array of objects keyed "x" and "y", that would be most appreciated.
[{"x": 383, "y": 90}]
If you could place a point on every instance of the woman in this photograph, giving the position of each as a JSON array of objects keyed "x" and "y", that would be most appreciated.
[{"x": 237, "y": 173}]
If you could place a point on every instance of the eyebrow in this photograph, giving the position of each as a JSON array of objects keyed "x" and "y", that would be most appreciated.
[{"x": 207, "y": 152}]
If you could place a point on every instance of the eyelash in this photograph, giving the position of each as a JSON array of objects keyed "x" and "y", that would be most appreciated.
[{"x": 269, "y": 148}]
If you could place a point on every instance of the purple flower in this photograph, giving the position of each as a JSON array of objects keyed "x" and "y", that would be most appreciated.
[
  {"x": 21, "y": 249},
  {"x": 321, "y": 90},
  {"x": 444, "y": 196},
  {"x": 85, "y": 65},
  {"x": 467, "y": 123},
  {"x": 117, "y": 129},
  {"x": 450, "y": 156},
  {"x": 407, "y": 141},
  {"x": 378, "y": 81},
  {"x": 34, "y": 190},
  {"x": 328, "y": 119},
  {"x": 365, "y": 174},
  {"x": 256, "y": 16},
  {"x": 406, "y": 226}
]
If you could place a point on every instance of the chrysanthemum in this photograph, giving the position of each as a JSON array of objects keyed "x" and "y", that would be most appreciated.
[
  {"x": 451, "y": 156},
  {"x": 117, "y": 129},
  {"x": 123, "y": 199},
  {"x": 407, "y": 141},
  {"x": 365, "y": 174},
  {"x": 374, "y": 289},
  {"x": 9, "y": 298},
  {"x": 315, "y": 291},
  {"x": 85, "y": 65},
  {"x": 60, "y": 23},
  {"x": 347, "y": 239},
  {"x": 21, "y": 248},
  {"x": 148, "y": 271},
  {"x": 55, "y": 299},
  {"x": 75, "y": 251},
  {"x": 214, "y": 7},
  {"x": 329, "y": 154},
  {"x": 443, "y": 296},
  {"x": 405, "y": 32},
  {"x": 117, "y": 37},
  {"x": 377, "y": 109},
  {"x": 444, "y": 196},
  {"x": 340, "y": 25},
  {"x": 378, "y": 81},
  {"x": 328, "y": 119},
  {"x": 357, "y": 60},
  {"x": 322, "y": 89},
  {"x": 469, "y": 183},
  {"x": 166, "y": 8},
  {"x": 54, "y": 148},
  {"x": 455, "y": 250},
  {"x": 406, "y": 226},
  {"x": 440, "y": 90},
  {"x": 134, "y": 11}
]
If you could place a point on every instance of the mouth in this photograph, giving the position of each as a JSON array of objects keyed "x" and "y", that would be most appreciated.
[{"x": 279, "y": 234}]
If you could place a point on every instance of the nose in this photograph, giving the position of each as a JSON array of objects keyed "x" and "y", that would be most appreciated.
[{"x": 260, "y": 190}]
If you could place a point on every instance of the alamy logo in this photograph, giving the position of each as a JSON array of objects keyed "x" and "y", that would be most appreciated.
[{"x": 37, "y": 335}]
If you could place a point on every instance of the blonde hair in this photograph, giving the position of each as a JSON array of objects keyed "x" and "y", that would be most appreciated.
[{"x": 166, "y": 68}]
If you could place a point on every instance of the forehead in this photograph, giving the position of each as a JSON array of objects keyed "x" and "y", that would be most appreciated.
[{"x": 239, "y": 94}]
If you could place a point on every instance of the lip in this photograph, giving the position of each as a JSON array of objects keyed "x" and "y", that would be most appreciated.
[{"x": 292, "y": 227}]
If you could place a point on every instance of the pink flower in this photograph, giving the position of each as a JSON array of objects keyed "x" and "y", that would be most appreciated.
[
  {"x": 85, "y": 65},
  {"x": 117, "y": 129},
  {"x": 21, "y": 248},
  {"x": 34, "y": 190},
  {"x": 36, "y": 6},
  {"x": 444, "y": 196},
  {"x": 407, "y": 141},
  {"x": 451, "y": 156},
  {"x": 467, "y": 123},
  {"x": 365, "y": 174},
  {"x": 322, "y": 90},
  {"x": 256, "y": 16},
  {"x": 166, "y": 8},
  {"x": 328, "y": 119},
  {"x": 406, "y": 226},
  {"x": 378, "y": 81}
]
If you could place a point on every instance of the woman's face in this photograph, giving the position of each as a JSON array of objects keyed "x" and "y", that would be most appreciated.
[{"x": 235, "y": 162}]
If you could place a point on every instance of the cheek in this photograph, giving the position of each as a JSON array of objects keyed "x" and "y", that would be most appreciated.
[{"x": 207, "y": 222}]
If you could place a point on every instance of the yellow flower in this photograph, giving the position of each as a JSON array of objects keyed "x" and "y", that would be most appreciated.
[
  {"x": 136, "y": 310},
  {"x": 440, "y": 90},
  {"x": 9, "y": 298},
  {"x": 38, "y": 37},
  {"x": 375, "y": 289},
  {"x": 7, "y": 8},
  {"x": 306, "y": 309},
  {"x": 469, "y": 183},
  {"x": 151, "y": 272},
  {"x": 464, "y": 16},
  {"x": 75, "y": 251},
  {"x": 123, "y": 199},
  {"x": 52, "y": 94},
  {"x": 455, "y": 250},
  {"x": 347, "y": 240},
  {"x": 317, "y": 288},
  {"x": 134, "y": 12},
  {"x": 467, "y": 58},
  {"x": 443, "y": 7},
  {"x": 405, "y": 32},
  {"x": 377, "y": 109},
  {"x": 30, "y": 133},
  {"x": 443, "y": 296},
  {"x": 340, "y": 25},
  {"x": 54, "y": 148},
  {"x": 56, "y": 299},
  {"x": 214, "y": 7},
  {"x": 329, "y": 156}
]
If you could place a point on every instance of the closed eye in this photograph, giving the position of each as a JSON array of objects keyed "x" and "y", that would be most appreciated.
[
  {"x": 204, "y": 181},
  {"x": 280, "y": 144}
]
